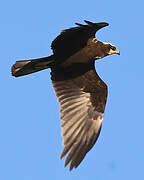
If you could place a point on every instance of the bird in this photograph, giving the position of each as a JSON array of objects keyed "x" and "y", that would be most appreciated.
[{"x": 82, "y": 94}]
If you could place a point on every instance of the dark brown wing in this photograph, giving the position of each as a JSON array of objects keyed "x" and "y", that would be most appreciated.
[
  {"x": 82, "y": 103},
  {"x": 72, "y": 40}
]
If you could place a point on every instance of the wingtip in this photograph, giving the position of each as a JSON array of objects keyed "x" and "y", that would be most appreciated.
[
  {"x": 71, "y": 168},
  {"x": 89, "y": 22},
  {"x": 61, "y": 156},
  {"x": 101, "y": 24},
  {"x": 78, "y": 24}
]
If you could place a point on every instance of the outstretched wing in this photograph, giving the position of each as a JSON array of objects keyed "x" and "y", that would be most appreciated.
[
  {"x": 72, "y": 40},
  {"x": 82, "y": 103}
]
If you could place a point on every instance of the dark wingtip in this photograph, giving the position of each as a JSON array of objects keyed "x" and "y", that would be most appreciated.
[
  {"x": 95, "y": 25},
  {"x": 80, "y": 24},
  {"x": 89, "y": 22},
  {"x": 100, "y": 24}
]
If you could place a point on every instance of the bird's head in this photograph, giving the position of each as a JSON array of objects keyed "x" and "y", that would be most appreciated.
[
  {"x": 110, "y": 49},
  {"x": 103, "y": 49}
]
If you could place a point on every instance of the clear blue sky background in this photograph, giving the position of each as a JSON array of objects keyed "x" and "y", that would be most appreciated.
[{"x": 30, "y": 140}]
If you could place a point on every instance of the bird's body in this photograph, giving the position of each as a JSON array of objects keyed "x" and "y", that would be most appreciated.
[{"x": 80, "y": 91}]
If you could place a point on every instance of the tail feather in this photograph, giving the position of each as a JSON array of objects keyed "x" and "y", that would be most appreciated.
[{"x": 24, "y": 67}]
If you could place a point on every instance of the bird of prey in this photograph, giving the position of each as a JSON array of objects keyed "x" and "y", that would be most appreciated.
[{"x": 82, "y": 94}]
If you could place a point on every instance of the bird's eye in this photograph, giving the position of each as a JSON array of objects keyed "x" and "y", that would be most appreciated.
[{"x": 113, "y": 48}]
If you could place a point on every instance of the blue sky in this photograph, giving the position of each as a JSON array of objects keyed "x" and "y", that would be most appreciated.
[{"x": 30, "y": 140}]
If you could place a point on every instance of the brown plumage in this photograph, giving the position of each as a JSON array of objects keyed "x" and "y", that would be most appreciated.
[{"x": 80, "y": 91}]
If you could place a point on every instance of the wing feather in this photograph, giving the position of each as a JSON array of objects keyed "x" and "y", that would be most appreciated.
[{"x": 81, "y": 116}]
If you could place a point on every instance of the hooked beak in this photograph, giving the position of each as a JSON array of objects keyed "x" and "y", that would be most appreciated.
[
  {"x": 118, "y": 52},
  {"x": 113, "y": 49}
]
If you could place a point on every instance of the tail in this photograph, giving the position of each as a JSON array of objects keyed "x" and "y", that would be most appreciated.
[{"x": 24, "y": 67}]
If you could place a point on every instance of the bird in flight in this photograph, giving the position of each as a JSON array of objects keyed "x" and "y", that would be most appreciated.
[{"x": 82, "y": 94}]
